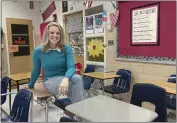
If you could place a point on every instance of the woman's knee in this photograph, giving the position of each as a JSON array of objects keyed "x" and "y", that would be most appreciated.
[{"x": 76, "y": 78}]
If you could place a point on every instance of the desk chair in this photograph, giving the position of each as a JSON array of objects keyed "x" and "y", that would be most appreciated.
[
  {"x": 171, "y": 98},
  {"x": 4, "y": 84},
  {"x": 151, "y": 93},
  {"x": 67, "y": 119},
  {"x": 87, "y": 81},
  {"x": 120, "y": 85},
  {"x": 20, "y": 108}
]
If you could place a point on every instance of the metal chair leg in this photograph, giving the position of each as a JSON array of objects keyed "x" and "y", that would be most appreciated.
[{"x": 4, "y": 113}]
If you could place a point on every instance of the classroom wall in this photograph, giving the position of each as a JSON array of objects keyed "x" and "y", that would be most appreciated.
[
  {"x": 21, "y": 10},
  {"x": 166, "y": 30},
  {"x": 140, "y": 71}
]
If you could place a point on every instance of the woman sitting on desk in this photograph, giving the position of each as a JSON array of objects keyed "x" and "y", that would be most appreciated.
[{"x": 56, "y": 59}]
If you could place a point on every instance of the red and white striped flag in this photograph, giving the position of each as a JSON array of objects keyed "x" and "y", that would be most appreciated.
[
  {"x": 88, "y": 3},
  {"x": 114, "y": 18}
]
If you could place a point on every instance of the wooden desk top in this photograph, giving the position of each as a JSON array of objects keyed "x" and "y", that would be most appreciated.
[
  {"x": 40, "y": 91},
  {"x": 169, "y": 87},
  {"x": 20, "y": 76},
  {"x": 101, "y": 75}
]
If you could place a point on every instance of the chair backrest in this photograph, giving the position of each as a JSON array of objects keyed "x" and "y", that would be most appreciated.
[
  {"x": 124, "y": 81},
  {"x": 4, "y": 84},
  {"x": 21, "y": 104},
  {"x": 88, "y": 80},
  {"x": 143, "y": 92},
  {"x": 67, "y": 119},
  {"x": 172, "y": 78}
]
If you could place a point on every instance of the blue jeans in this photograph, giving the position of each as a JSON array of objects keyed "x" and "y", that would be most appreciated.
[{"x": 75, "y": 89}]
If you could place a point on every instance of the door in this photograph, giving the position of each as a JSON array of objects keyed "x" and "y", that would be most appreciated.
[{"x": 19, "y": 32}]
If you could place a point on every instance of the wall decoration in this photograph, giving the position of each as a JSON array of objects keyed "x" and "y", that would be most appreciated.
[
  {"x": 88, "y": 3},
  {"x": 104, "y": 15},
  {"x": 98, "y": 27},
  {"x": 13, "y": 48},
  {"x": 114, "y": 18},
  {"x": 49, "y": 11},
  {"x": 75, "y": 23},
  {"x": 165, "y": 53},
  {"x": 145, "y": 25},
  {"x": 95, "y": 48},
  {"x": 76, "y": 38},
  {"x": 64, "y": 6},
  {"x": 78, "y": 50},
  {"x": 89, "y": 24}
]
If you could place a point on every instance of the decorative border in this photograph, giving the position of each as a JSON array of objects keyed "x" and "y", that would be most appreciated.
[{"x": 146, "y": 59}]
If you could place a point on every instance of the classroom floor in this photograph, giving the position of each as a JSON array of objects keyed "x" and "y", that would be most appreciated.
[{"x": 54, "y": 112}]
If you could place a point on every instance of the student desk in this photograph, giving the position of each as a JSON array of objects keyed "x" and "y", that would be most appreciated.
[
  {"x": 169, "y": 87},
  {"x": 106, "y": 109},
  {"x": 40, "y": 91},
  {"x": 101, "y": 76}
]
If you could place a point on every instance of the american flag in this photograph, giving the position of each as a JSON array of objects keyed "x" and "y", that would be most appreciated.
[
  {"x": 88, "y": 3},
  {"x": 104, "y": 18}
]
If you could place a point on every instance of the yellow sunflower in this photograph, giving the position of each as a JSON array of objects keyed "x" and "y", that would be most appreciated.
[{"x": 95, "y": 48}]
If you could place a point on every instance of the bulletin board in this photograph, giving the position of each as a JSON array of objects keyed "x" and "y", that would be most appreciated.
[{"x": 164, "y": 48}]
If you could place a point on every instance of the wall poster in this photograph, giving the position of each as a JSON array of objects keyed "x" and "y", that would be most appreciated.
[
  {"x": 145, "y": 25},
  {"x": 89, "y": 24}
]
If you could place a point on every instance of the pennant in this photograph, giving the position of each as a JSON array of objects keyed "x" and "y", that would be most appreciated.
[{"x": 48, "y": 11}]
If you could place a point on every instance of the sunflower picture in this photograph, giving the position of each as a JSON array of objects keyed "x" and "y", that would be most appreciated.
[{"x": 95, "y": 48}]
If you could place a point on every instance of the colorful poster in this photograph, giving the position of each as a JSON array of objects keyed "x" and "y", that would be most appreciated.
[
  {"x": 89, "y": 24},
  {"x": 98, "y": 23}
]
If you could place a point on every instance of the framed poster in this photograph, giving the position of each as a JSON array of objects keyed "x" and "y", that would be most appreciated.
[
  {"x": 145, "y": 25},
  {"x": 89, "y": 24}
]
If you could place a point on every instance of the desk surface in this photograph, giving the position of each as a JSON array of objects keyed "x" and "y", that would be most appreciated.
[
  {"x": 20, "y": 76},
  {"x": 169, "y": 87},
  {"x": 101, "y": 75},
  {"x": 40, "y": 91},
  {"x": 105, "y": 109}
]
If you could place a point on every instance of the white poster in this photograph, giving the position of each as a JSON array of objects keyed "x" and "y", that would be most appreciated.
[
  {"x": 98, "y": 23},
  {"x": 145, "y": 25}
]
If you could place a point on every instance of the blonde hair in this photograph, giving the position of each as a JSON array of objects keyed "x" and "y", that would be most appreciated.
[{"x": 45, "y": 40}]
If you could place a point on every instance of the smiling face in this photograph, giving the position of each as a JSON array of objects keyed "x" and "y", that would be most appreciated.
[{"x": 54, "y": 36}]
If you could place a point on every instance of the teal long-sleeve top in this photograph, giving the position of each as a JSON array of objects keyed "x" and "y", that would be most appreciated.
[{"x": 53, "y": 62}]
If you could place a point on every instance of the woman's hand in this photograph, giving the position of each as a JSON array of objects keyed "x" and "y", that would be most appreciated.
[{"x": 63, "y": 89}]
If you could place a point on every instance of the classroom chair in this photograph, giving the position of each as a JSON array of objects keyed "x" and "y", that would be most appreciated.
[
  {"x": 20, "y": 108},
  {"x": 87, "y": 81},
  {"x": 171, "y": 98},
  {"x": 156, "y": 95},
  {"x": 67, "y": 119},
  {"x": 120, "y": 85},
  {"x": 4, "y": 84}
]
